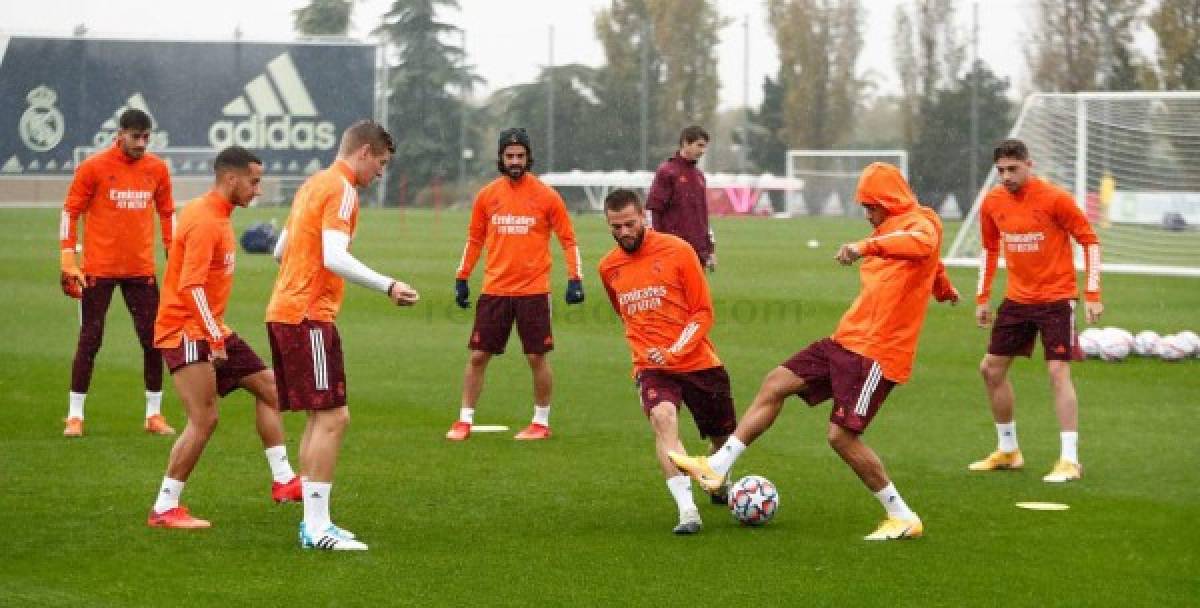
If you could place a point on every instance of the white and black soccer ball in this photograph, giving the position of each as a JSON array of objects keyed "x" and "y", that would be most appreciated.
[
  {"x": 1145, "y": 343},
  {"x": 1173, "y": 348},
  {"x": 1115, "y": 344},
  {"x": 753, "y": 500},
  {"x": 1089, "y": 341},
  {"x": 1191, "y": 337}
]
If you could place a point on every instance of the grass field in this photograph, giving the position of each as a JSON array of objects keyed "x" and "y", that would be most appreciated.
[{"x": 584, "y": 519}]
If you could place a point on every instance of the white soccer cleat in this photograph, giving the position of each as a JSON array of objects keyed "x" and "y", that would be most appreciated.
[
  {"x": 689, "y": 522},
  {"x": 332, "y": 539}
]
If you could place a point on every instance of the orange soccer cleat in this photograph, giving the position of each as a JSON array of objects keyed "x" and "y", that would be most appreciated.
[
  {"x": 459, "y": 431},
  {"x": 74, "y": 427},
  {"x": 287, "y": 492},
  {"x": 176, "y": 518},
  {"x": 533, "y": 432},
  {"x": 157, "y": 425}
]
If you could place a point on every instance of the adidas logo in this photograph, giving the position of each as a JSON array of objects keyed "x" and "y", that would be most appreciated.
[
  {"x": 159, "y": 138},
  {"x": 277, "y": 112}
]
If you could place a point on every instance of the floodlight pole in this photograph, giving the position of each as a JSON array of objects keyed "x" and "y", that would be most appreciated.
[
  {"x": 973, "y": 154},
  {"x": 462, "y": 114},
  {"x": 550, "y": 105},
  {"x": 644, "y": 105}
]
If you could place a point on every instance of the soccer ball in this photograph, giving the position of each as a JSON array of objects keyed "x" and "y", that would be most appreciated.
[
  {"x": 1191, "y": 337},
  {"x": 1173, "y": 348},
  {"x": 753, "y": 500},
  {"x": 1089, "y": 341},
  {"x": 1145, "y": 343},
  {"x": 1115, "y": 344}
]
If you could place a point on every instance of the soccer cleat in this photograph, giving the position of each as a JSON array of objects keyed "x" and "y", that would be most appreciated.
[
  {"x": 342, "y": 531},
  {"x": 697, "y": 468},
  {"x": 287, "y": 492},
  {"x": 74, "y": 427},
  {"x": 533, "y": 432},
  {"x": 999, "y": 461},
  {"x": 1064, "y": 471},
  {"x": 157, "y": 425},
  {"x": 459, "y": 431},
  {"x": 721, "y": 497},
  {"x": 332, "y": 539},
  {"x": 176, "y": 518},
  {"x": 894, "y": 528},
  {"x": 689, "y": 522}
]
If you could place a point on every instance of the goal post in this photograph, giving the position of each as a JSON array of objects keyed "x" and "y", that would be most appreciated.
[
  {"x": 830, "y": 177},
  {"x": 1129, "y": 159}
]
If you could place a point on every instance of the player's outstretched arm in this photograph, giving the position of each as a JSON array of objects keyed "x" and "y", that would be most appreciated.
[{"x": 335, "y": 254}]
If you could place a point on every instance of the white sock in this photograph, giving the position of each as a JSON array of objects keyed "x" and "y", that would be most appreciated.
[
  {"x": 466, "y": 414},
  {"x": 153, "y": 403},
  {"x": 168, "y": 495},
  {"x": 722, "y": 460},
  {"x": 316, "y": 505},
  {"x": 890, "y": 499},
  {"x": 1070, "y": 446},
  {"x": 1006, "y": 436},
  {"x": 281, "y": 469},
  {"x": 75, "y": 405},
  {"x": 681, "y": 490},
  {"x": 541, "y": 415}
]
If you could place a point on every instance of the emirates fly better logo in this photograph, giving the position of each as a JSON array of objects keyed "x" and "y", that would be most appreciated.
[{"x": 276, "y": 113}]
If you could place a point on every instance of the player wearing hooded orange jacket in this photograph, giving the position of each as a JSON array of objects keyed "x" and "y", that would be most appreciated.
[
  {"x": 1034, "y": 221},
  {"x": 118, "y": 192},
  {"x": 870, "y": 352}
]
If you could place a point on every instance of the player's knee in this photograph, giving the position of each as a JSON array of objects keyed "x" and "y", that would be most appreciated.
[
  {"x": 479, "y": 358},
  {"x": 992, "y": 373},
  {"x": 779, "y": 383},
  {"x": 205, "y": 422},
  {"x": 89, "y": 344},
  {"x": 839, "y": 438},
  {"x": 663, "y": 414}
]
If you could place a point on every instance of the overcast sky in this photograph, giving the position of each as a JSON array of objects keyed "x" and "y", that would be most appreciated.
[{"x": 508, "y": 40}]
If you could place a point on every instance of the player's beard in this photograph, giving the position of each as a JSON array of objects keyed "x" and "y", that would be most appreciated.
[
  {"x": 637, "y": 241},
  {"x": 514, "y": 171}
]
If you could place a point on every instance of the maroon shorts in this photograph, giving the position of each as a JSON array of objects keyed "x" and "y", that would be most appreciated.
[
  {"x": 494, "y": 317},
  {"x": 1017, "y": 325},
  {"x": 242, "y": 360},
  {"x": 855, "y": 382},
  {"x": 706, "y": 394},
  {"x": 307, "y": 358}
]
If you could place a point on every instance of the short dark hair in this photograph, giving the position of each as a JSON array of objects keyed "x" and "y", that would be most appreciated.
[
  {"x": 693, "y": 133},
  {"x": 1010, "y": 148},
  {"x": 234, "y": 157},
  {"x": 136, "y": 120},
  {"x": 367, "y": 132},
  {"x": 621, "y": 198}
]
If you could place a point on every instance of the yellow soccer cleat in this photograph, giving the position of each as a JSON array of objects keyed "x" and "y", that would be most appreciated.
[
  {"x": 697, "y": 468},
  {"x": 894, "y": 528},
  {"x": 1064, "y": 471},
  {"x": 999, "y": 461}
]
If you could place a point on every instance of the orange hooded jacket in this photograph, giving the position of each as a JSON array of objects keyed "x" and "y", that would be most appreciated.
[{"x": 901, "y": 268}]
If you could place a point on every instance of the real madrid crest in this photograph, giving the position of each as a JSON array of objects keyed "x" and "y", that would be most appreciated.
[{"x": 42, "y": 126}]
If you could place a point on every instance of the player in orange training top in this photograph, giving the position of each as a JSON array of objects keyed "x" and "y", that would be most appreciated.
[
  {"x": 205, "y": 357},
  {"x": 306, "y": 349},
  {"x": 512, "y": 218},
  {"x": 1035, "y": 221},
  {"x": 118, "y": 192},
  {"x": 657, "y": 286},
  {"x": 870, "y": 352}
]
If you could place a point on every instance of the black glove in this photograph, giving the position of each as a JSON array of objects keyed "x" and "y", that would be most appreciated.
[
  {"x": 575, "y": 291},
  {"x": 462, "y": 293}
]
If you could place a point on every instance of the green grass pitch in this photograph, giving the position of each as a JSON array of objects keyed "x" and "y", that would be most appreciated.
[{"x": 585, "y": 519}]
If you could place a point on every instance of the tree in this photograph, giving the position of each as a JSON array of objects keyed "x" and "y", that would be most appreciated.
[
  {"x": 576, "y": 103},
  {"x": 323, "y": 18},
  {"x": 625, "y": 31},
  {"x": 819, "y": 43},
  {"x": 1084, "y": 45},
  {"x": 768, "y": 152},
  {"x": 928, "y": 53},
  {"x": 1177, "y": 25},
  {"x": 685, "y": 34},
  {"x": 427, "y": 83}
]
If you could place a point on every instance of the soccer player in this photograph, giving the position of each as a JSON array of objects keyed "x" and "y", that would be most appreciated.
[
  {"x": 678, "y": 201},
  {"x": 117, "y": 192},
  {"x": 1035, "y": 221},
  {"x": 315, "y": 262},
  {"x": 657, "y": 287},
  {"x": 205, "y": 357},
  {"x": 870, "y": 352},
  {"x": 512, "y": 217}
]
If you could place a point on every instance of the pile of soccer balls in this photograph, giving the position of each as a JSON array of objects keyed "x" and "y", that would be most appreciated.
[
  {"x": 1115, "y": 344},
  {"x": 753, "y": 500}
]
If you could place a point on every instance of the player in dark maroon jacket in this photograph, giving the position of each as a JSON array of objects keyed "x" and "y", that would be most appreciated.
[{"x": 677, "y": 201}]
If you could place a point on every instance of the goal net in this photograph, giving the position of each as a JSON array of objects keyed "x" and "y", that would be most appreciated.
[
  {"x": 1131, "y": 161},
  {"x": 830, "y": 177}
]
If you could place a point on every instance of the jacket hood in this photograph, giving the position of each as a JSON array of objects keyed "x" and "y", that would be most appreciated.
[{"x": 882, "y": 184}]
